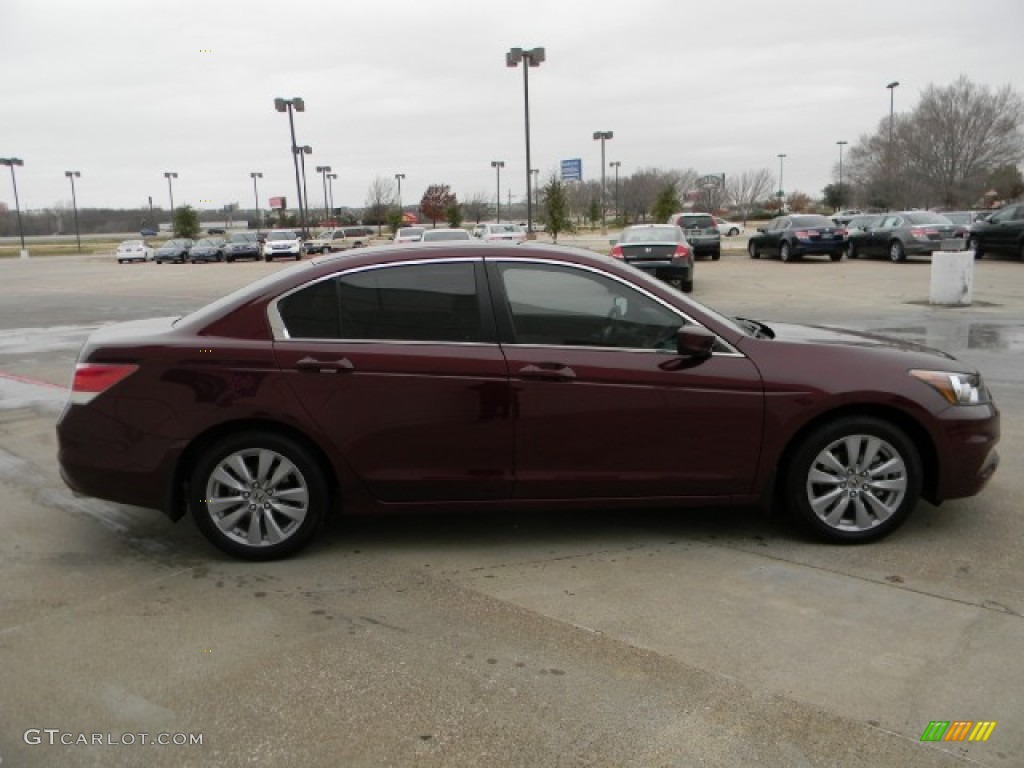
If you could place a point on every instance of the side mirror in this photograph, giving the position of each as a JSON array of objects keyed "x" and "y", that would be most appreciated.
[
  {"x": 760, "y": 229},
  {"x": 694, "y": 341},
  {"x": 612, "y": 241}
]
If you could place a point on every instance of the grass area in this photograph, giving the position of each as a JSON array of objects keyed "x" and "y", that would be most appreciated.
[{"x": 37, "y": 248}]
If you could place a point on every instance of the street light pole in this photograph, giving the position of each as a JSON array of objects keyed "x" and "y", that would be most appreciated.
[
  {"x": 256, "y": 199},
  {"x": 11, "y": 162},
  {"x": 170, "y": 191},
  {"x": 323, "y": 170},
  {"x": 782, "y": 190},
  {"x": 603, "y": 136},
  {"x": 398, "y": 178},
  {"x": 892, "y": 104},
  {"x": 302, "y": 152},
  {"x": 535, "y": 172},
  {"x": 530, "y": 58},
  {"x": 497, "y": 165},
  {"x": 841, "y": 145},
  {"x": 615, "y": 164},
  {"x": 291, "y": 106},
  {"x": 330, "y": 186},
  {"x": 72, "y": 175}
]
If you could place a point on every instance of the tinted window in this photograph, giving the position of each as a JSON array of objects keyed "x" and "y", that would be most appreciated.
[
  {"x": 313, "y": 312},
  {"x": 696, "y": 222},
  {"x": 417, "y": 302},
  {"x": 562, "y": 306}
]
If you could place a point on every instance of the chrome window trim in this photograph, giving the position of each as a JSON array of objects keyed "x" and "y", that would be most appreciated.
[
  {"x": 280, "y": 333},
  {"x": 733, "y": 352}
]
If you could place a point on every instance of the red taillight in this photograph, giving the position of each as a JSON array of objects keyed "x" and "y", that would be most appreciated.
[
  {"x": 617, "y": 252},
  {"x": 923, "y": 232},
  {"x": 93, "y": 378},
  {"x": 682, "y": 252},
  {"x": 803, "y": 234},
  {"x": 842, "y": 232}
]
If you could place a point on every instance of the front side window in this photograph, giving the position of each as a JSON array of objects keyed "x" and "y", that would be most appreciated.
[
  {"x": 434, "y": 302},
  {"x": 554, "y": 305}
]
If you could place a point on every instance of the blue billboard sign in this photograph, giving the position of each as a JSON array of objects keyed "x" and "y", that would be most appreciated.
[{"x": 572, "y": 170}]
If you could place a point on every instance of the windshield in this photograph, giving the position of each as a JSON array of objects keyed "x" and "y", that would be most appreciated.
[
  {"x": 666, "y": 234},
  {"x": 440, "y": 235},
  {"x": 283, "y": 235},
  {"x": 242, "y": 238}
]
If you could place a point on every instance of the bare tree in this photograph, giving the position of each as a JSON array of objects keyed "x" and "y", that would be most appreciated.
[
  {"x": 960, "y": 134},
  {"x": 745, "y": 190},
  {"x": 476, "y": 206},
  {"x": 379, "y": 198}
]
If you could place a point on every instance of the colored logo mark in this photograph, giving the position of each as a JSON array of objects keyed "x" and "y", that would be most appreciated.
[{"x": 958, "y": 730}]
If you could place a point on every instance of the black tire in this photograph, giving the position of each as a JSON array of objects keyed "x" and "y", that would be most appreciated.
[
  {"x": 686, "y": 286},
  {"x": 786, "y": 252},
  {"x": 733, "y": 232},
  {"x": 854, "y": 498},
  {"x": 716, "y": 255},
  {"x": 836, "y": 256},
  {"x": 753, "y": 250},
  {"x": 267, "y": 258},
  {"x": 229, "y": 259},
  {"x": 120, "y": 261},
  {"x": 897, "y": 252},
  {"x": 851, "y": 251},
  {"x": 292, "y": 507},
  {"x": 973, "y": 244}
]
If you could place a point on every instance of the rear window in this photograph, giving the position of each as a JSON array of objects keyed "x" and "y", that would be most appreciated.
[
  {"x": 696, "y": 222},
  {"x": 812, "y": 221},
  {"x": 650, "y": 235}
]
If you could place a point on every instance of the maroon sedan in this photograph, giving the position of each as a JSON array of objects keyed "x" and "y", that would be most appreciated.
[{"x": 479, "y": 375}]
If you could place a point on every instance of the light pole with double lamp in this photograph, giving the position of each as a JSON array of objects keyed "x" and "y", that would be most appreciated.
[
  {"x": 170, "y": 192},
  {"x": 615, "y": 164},
  {"x": 782, "y": 191},
  {"x": 256, "y": 199},
  {"x": 497, "y": 165},
  {"x": 323, "y": 170},
  {"x": 291, "y": 106},
  {"x": 531, "y": 58},
  {"x": 304, "y": 206},
  {"x": 841, "y": 144},
  {"x": 603, "y": 136},
  {"x": 12, "y": 162},
  {"x": 72, "y": 175}
]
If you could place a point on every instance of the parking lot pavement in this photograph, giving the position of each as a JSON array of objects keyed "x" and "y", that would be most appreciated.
[{"x": 711, "y": 637}]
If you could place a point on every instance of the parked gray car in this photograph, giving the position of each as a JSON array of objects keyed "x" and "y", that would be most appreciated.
[
  {"x": 906, "y": 233},
  {"x": 176, "y": 251}
]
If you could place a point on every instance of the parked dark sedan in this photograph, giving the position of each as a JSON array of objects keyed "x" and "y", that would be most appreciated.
[
  {"x": 207, "y": 249},
  {"x": 658, "y": 249},
  {"x": 793, "y": 237},
  {"x": 176, "y": 250},
  {"x": 243, "y": 245},
  {"x": 903, "y": 233},
  {"x": 1002, "y": 232},
  {"x": 480, "y": 376}
]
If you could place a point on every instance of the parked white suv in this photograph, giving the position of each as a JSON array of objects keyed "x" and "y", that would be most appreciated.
[
  {"x": 506, "y": 233},
  {"x": 282, "y": 242}
]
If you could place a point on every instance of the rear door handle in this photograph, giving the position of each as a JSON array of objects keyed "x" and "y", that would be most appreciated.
[
  {"x": 312, "y": 365},
  {"x": 547, "y": 371}
]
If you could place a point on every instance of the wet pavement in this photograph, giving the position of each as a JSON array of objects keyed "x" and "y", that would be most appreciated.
[{"x": 714, "y": 638}]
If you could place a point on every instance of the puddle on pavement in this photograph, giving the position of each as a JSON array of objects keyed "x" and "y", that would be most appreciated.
[{"x": 982, "y": 336}]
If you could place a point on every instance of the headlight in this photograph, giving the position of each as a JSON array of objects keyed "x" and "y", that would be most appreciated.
[{"x": 957, "y": 388}]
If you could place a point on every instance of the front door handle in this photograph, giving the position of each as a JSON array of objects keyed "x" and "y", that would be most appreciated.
[
  {"x": 547, "y": 372},
  {"x": 312, "y": 365}
]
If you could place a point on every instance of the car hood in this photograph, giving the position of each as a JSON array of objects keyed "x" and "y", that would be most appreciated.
[{"x": 829, "y": 336}]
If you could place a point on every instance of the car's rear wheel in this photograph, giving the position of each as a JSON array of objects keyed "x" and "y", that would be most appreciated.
[
  {"x": 753, "y": 250},
  {"x": 733, "y": 232},
  {"x": 856, "y": 479},
  {"x": 786, "y": 252},
  {"x": 267, "y": 257},
  {"x": 716, "y": 255},
  {"x": 258, "y": 495},
  {"x": 897, "y": 252},
  {"x": 836, "y": 256},
  {"x": 686, "y": 286}
]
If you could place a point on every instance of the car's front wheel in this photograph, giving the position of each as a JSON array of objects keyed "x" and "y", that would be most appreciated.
[
  {"x": 851, "y": 250},
  {"x": 786, "y": 252},
  {"x": 753, "y": 250},
  {"x": 258, "y": 495},
  {"x": 854, "y": 480},
  {"x": 897, "y": 252}
]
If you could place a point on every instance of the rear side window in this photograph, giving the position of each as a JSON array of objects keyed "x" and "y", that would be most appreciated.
[{"x": 434, "y": 302}]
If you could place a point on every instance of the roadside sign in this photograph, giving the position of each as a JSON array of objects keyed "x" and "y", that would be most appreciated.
[{"x": 572, "y": 170}]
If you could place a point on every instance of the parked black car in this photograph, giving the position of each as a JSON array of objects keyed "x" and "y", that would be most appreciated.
[
  {"x": 700, "y": 232},
  {"x": 176, "y": 250},
  {"x": 1002, "y": 232},
  {"x": 794, "y": 236},
  {"x": 858, "y": 227},
  {"x": 207, "y": 249},
  {"x": 657, "y": 249},
  {"x": 903, "y": 233},
  {"x": 242, "y": 245}
]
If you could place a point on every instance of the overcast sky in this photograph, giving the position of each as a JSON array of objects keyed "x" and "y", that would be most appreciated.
[{"x": 124, "y": 90}]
